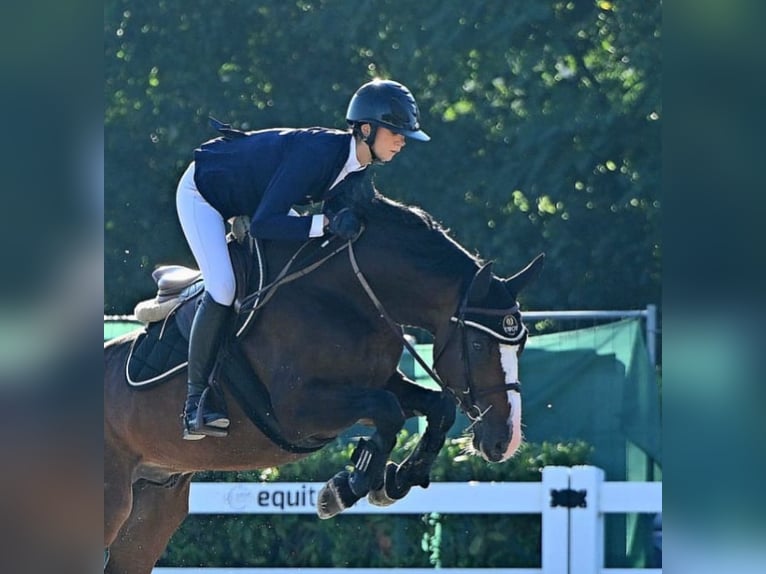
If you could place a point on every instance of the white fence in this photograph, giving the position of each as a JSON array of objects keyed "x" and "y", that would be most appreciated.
[{"x": 572, "y": 501}]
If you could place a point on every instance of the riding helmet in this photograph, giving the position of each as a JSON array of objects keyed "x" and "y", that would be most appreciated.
[{"x": 389, "y": 104}]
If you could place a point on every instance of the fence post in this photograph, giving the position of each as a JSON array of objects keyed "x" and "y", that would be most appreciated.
[
  {"x": 586, "y": 533},
  {"x": 555, "y": 522},
  {"x": 651, "y": 333}
]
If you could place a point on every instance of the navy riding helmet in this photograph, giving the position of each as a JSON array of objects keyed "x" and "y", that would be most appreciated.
[{"x": 389, "y": 104}]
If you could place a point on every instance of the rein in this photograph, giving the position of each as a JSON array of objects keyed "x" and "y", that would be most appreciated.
[
  {"x": 395, "y": 327},
  {"x": 250, "y": 303},
  {"x": 460, "y": 324}
]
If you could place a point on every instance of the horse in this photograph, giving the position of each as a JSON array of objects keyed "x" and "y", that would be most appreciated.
[{"x": 326, "y": 347}]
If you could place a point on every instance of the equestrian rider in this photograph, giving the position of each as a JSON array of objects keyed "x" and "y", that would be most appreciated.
[{"x": 263, "y": 174}]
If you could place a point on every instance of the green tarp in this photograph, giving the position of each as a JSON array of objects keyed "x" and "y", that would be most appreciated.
[{"x": 115, "y": 328}]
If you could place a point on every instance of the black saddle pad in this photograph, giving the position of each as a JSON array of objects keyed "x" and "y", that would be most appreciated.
[{"x": 158, "y": 353}]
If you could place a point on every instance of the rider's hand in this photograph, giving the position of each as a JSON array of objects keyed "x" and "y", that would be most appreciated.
[{"x": 344, "y": 224}]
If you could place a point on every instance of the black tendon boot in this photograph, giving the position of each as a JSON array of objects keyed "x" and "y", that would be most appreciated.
[{"x": 201, "y": 415}]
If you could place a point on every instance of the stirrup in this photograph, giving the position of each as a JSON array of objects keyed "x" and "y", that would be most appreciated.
[
  {"x": 218, "y": 421},
  {"x": 193, "y": 430},
  {"x": 199, "y": 425}
]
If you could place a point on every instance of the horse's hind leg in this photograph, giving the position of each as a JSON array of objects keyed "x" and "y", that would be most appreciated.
[
  {"x": 415, "y": 470},
  {"x": 157, "y": 512}
]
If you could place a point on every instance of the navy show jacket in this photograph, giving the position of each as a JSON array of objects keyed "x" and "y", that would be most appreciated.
[{"x": 264, "y": 173}]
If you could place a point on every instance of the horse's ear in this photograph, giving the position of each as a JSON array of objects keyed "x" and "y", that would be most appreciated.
[
  {"x": 480, "y": 285},
  {"x": 520, "y": 280}
]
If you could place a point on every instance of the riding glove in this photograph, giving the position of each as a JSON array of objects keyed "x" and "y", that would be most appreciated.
[{"x": 345, "y": 224}]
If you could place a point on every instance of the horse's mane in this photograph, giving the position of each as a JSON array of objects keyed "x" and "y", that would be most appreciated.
[{"x": 418, "y": 234}]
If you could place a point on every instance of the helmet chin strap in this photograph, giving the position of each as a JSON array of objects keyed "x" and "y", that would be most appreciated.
[{"x": 370, "y": 141}]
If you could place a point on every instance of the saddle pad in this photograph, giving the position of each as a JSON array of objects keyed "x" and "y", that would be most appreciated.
[{"x": 156, "y": 354}]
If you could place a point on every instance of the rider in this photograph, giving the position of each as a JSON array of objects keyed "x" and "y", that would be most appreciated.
[{"x": 263, "y": 174}]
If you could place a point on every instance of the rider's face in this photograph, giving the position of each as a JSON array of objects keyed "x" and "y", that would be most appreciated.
[{"x": 387, "y": 144}]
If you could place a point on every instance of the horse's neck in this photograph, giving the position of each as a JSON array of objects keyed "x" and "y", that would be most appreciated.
[
  {"x": 407, "y": 291},
  {"x": 413, "y": 296}
]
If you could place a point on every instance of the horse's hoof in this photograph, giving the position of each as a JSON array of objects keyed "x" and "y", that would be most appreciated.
[
  {"x": 389, "y": 493},
  {"x": 336, "y": 496},
  {"x": 379, "y": 497}
]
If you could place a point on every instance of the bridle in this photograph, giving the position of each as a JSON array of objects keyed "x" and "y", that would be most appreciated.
[{"x": 466, "y": 400}]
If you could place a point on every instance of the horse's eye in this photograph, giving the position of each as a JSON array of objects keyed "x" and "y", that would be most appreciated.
[{"x": 476, "y": 346}]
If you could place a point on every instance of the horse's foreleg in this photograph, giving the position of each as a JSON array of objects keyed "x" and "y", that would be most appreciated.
[
  {"x": 415, "y": 470},
  {"x": 369, "y": 458},
  {"x": 158, "y": 510}
]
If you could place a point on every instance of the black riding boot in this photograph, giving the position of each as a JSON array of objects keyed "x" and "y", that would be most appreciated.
[{"x": 201, "y": 416}]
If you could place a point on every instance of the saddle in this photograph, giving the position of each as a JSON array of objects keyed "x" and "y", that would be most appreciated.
[{"x": 161, "y": 350}]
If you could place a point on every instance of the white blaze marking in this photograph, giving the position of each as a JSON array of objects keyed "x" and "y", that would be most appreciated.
[{"x": 510, "y": 363}]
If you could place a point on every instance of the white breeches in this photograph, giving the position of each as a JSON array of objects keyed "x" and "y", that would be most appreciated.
[{"x": 205, "y": 231}]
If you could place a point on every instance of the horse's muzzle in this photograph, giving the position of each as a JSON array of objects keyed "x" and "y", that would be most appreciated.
[{"x": 493, "y": 450}]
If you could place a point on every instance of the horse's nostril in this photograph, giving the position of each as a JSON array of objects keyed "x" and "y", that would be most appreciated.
[{"x": 495, "y": 451}]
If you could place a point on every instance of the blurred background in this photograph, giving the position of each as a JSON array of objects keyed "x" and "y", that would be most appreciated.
[{"x": 545, "y": 120}]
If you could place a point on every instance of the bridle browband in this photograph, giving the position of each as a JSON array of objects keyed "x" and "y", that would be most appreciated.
[{"x": 469, "y": 406}]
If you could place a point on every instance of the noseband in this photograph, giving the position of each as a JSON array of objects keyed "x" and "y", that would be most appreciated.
[{"x": 466, "y": 399}]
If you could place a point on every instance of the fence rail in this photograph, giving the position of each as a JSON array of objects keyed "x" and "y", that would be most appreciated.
[{"x": 572, "y": 535}]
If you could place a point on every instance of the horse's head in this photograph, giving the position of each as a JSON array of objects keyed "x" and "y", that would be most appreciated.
[
  {"x": 476, "y": 352},
  {"x": 477, "y": 355}
]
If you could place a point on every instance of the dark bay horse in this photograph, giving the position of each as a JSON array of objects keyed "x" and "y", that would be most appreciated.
[{"x": 325, "y": 348}]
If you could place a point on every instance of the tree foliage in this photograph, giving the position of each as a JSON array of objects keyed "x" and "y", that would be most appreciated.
[{"x": 545, "y": 118}]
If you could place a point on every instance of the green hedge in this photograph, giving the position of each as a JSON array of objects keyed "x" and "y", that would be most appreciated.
[{"x": 375, "y": 540}]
